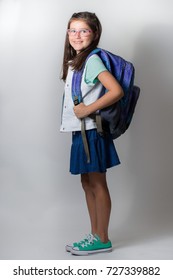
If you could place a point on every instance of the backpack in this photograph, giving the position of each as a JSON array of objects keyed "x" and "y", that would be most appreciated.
[{"x": 118, "y": 116}]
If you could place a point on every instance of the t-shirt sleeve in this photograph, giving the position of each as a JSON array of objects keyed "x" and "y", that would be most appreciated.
[{"x": 94, "y": 67}]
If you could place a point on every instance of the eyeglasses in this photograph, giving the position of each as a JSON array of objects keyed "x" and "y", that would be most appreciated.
[{"x": 82, "y": 32}]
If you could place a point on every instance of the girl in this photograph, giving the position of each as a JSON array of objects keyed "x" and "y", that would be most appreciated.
[{"x": 83, "y": 35}]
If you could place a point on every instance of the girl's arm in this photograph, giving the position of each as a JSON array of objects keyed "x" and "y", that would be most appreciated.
[{"x": 113, "y": 94}]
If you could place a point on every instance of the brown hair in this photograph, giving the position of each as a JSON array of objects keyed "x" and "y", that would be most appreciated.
[{"x": 77, "y": 60}]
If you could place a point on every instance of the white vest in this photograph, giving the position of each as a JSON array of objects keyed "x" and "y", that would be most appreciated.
[{"x": 69, "y": 122}]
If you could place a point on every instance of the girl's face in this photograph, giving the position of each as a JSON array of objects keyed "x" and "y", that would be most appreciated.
[{"x": 80, "y": 35}]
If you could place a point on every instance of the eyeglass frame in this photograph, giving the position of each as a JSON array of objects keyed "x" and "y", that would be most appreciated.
[{"x": 79, "y": 31}]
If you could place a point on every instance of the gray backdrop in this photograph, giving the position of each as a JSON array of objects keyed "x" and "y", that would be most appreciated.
[{"x": 42, "y": 206}]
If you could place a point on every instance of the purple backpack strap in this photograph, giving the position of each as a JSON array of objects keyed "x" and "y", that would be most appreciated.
[{"x": 76, "y": 86}]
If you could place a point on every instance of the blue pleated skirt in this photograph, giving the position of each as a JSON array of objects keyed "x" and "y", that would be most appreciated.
[{"x": 103, "y": 154}]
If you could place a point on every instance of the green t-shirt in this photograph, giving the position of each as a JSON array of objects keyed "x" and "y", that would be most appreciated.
[{"x": 94, "y": 67}]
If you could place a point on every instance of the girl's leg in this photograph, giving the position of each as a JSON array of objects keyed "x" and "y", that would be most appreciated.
[
  {"x": 99, "y": 203},
  {"x": 90, "y": 199},
  {"x": 102, "y": 203}
]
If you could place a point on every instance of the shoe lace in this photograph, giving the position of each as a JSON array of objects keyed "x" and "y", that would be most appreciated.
[
  {"x": 91, "y": 239},
  {"x": 86, "y": 239}
]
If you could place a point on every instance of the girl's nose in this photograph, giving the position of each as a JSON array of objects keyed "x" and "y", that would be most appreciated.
[{"x": 78, "y": 34}]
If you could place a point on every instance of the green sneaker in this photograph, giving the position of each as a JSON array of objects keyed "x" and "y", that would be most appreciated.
[
  {"x": 69, "y": 247},
  {"x": 92, "y": 246}
]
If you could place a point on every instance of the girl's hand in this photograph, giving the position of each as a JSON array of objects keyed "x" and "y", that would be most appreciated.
[{"x": 81, "y": 111}]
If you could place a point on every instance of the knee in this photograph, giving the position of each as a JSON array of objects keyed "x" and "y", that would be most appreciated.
[
  {"x": 88, "y": 185},
  {"x": 85, "y": 182}
]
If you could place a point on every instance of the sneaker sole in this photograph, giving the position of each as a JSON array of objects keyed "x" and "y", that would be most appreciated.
[
  {"x": 85, "y": 253},
  {"x": 68, "y": 248}
]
